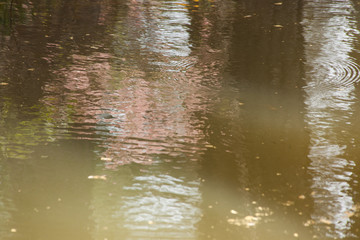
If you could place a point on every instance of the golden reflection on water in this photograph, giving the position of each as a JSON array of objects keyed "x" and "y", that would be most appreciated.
[{"x": 329, "y": 32}]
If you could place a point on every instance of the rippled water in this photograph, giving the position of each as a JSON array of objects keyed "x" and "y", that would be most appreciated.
[
  {"x": 330, "y": 99},
  {"x": 131, "y": 119}
]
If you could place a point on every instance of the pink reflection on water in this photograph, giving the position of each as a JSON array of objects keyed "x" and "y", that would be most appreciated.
[
  {"x": 147, "y": 116},
  {"x": 147, "y": 106},
  {"x": 78, "y": 89}
]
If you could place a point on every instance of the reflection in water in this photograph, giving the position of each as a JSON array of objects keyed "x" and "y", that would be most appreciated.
[
  {"x": 148, "y": 112},
  {"x": 137, "y": 101},
  {"x": 329, "y": 33},
  {"x": 155, "y": 211},
  {"x": 143, "y": 119},
  {"x": 145, "y": 202}
]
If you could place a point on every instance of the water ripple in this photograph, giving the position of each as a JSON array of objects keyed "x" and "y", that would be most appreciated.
[
  {"x": 330, "y": 33},
  {"x": 344, "y": 73}
]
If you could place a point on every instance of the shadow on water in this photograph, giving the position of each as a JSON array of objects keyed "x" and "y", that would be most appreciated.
[{"x": 255, "y": 179}]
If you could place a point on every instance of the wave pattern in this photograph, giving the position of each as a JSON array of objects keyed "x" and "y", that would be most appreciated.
[
  {"x": 330, "y": 32},
  {"x": 344, "y": 74}
]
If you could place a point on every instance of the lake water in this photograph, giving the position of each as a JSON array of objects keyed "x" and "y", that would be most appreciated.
[{"x": 191, "y": 120}]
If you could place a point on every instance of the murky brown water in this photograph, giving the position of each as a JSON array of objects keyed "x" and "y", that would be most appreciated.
[{"x": 201, "y": 119}]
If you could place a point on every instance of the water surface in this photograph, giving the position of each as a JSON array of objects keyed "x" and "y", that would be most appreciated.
[{"x": 127, "y": 119}]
